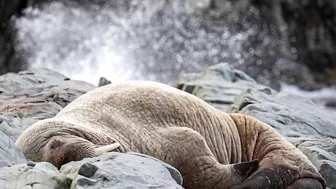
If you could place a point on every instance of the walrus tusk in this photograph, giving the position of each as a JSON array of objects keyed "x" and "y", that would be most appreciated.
[{"x": 106, "y": 148}]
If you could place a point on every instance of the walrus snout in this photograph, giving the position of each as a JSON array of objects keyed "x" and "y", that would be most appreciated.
[{"x": 64, "y": 151}]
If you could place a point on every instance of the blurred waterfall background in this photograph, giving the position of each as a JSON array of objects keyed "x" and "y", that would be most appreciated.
[{"x": 272, "y": 41}]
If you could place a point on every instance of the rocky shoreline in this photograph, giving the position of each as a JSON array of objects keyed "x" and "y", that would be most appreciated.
[{"x": 36, "y": 94}]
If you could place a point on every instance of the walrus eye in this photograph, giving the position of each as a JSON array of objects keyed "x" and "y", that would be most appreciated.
[{"x": 55, "y": 143}]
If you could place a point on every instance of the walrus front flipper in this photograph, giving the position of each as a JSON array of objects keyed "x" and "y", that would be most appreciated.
[
  {"x": 281, "y": 164},
  {"x": 186, "y": 150}
]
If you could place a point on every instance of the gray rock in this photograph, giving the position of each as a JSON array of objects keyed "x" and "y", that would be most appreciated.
[
  {"x": 219, "y": 85},
  {"x": 306, "y": 125},
  {"x": 33, "y": 176},
  {"x": 9, "y": 153},
  {"x": 121, "y": 171},
  {"x": 32, "y": 95},
  {"x": 111, "y": 170},
  {"x": 103, "y": 81}
]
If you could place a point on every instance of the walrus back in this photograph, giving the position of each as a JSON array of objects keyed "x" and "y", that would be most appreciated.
[{"x": 141, "y": 107}]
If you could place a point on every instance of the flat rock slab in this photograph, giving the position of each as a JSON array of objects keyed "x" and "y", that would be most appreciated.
[
  {"x": 122, "y": 171},
  {"x": 306, "y": 125}
]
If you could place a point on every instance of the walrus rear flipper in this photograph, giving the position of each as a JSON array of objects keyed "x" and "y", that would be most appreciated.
[
  {"x": 281, "y": 165},
  {"x": 273, "y": 178},
  {"x": 187, "y": 151},
  {"x": 307, "y": 183}
]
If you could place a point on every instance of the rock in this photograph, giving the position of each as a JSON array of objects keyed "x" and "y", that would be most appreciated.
[
  {"x": 9, "y": 61},
  {"x": 9, "y": 153},
  {"x": 110, "y": 170},
  {"x": 122, "y": 170},
  {"x": 305, "y": 124},
  {"x": 33, "y": 95},
  {"x": 219, "y": 85},
  {"x": 103, "y": 81},
  {"x": 33, "y": 176}
]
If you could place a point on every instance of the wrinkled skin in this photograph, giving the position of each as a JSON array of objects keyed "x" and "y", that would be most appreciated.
[{"x": 210, "y": 148}]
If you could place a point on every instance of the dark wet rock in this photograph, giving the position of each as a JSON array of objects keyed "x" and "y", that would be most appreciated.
[
  {"x": 103, "y": 81},
  {"x": 305, "y": 124},
  {"x": 9, "y": 60},
  {"x": 122, "y": 170}
]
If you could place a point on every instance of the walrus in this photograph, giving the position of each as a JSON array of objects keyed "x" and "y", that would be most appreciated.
[{"x": 211, "y": 148}]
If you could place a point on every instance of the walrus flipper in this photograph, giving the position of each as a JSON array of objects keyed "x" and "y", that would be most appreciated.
[
  {"x": 186, "y": 150},
  {"x": 307, "y": 183},
  {"x": 281, "y": 166}
]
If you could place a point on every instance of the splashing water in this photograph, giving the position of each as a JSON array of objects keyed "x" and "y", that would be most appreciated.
[{"x": 123, "y": 40}]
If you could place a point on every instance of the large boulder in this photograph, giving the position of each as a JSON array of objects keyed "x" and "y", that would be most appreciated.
[
  {"x": 305, "y": 124},
  {"x": 122, "y": 171}
]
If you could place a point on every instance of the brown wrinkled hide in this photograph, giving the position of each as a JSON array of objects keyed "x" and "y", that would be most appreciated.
[{"x": 210, "y": 148}]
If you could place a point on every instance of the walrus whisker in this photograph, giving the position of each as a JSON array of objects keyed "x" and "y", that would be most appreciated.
[{"x": 106, "y": 148}]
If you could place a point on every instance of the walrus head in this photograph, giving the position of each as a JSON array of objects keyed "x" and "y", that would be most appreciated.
[
  {"x": 62, "y": 150},
  {"x": 59, "y": 143}
]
